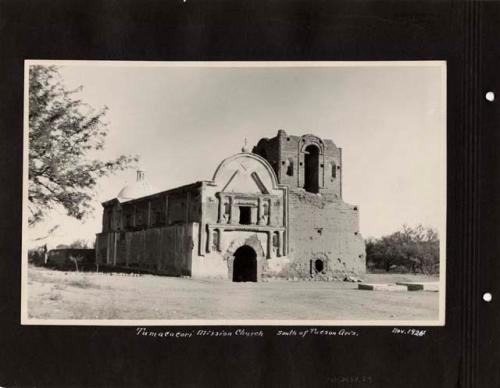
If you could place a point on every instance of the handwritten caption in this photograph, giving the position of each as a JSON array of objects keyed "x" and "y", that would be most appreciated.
[
  {"x": 317, "y": 332},
  {"x": 409, "y": 331},
  {"x": 144, "y": 332},
  {"x": 249, "y": 333},
  {"x": 256, "y": 333}
]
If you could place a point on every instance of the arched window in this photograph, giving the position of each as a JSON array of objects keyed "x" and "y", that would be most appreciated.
[
  {"x": 334, "y": 170},
  {"x": 311, "y": 169}
]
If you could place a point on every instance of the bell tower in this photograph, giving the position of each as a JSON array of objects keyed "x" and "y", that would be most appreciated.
[{"x": 305, "y": 163}]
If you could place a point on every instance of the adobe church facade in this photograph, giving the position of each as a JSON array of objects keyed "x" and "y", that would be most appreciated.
[{"x": 274, "y": 212}]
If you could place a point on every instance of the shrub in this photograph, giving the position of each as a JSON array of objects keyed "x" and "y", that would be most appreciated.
[
  {"x": 413, "y": 250},
  {"x": 81, "y": 283}
]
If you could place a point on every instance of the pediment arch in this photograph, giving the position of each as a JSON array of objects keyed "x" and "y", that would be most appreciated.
[{"x": 245, "y": 172}]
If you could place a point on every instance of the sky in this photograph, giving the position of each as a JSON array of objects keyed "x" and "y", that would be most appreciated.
[{"x": 389, "y": 119}]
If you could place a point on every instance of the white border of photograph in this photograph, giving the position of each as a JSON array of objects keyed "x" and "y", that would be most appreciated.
[{"x": 25, "y": 320}]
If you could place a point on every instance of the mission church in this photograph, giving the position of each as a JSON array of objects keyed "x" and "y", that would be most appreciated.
[{"x": 276, "y": 211}]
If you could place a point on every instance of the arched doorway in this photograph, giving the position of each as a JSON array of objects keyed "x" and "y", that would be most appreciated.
[
  {"x": 311, "y": 175},
  {"x": 245, "y": 265}
]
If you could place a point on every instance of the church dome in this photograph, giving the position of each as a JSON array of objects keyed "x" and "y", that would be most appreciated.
[{"x": 140, "y": 188}]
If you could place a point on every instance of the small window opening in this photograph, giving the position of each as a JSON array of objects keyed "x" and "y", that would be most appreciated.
[
  {"x": 275, "y": 240},
  {"x": 245, "y": 215},
  {"x": 334, "y": 170},
  {"x": 289, "y": 170},
  {"x": 319, "y": 266},
  {"x": 265, "y": 207},
  {"x": 215, "y": 240}
]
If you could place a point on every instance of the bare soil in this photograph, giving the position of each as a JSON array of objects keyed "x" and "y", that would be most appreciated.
[{"x": 89, "y": 295}]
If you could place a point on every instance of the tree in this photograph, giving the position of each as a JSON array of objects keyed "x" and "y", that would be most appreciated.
[
  {"x": 80, "y": 244},
  {"x": 65, "y": 137},
  {"x": 410, "y": 249}
]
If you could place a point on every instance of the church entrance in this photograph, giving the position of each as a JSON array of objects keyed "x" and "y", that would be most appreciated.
[{"x": 245, "y": 265}]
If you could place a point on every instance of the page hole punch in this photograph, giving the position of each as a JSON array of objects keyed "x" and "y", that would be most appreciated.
[{"x": 487, "y": 297}]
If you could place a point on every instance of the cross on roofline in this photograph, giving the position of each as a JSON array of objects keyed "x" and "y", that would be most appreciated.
[{"x": 245, "y": 147}]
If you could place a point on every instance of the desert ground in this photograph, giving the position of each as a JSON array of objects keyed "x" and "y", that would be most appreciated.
[{"x": 89, "y": 295}]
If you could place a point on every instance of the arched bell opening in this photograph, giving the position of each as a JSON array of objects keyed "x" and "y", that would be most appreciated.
[{"x": 311, "y": 169}]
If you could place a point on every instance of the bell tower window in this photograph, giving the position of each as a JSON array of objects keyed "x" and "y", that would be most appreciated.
[{"x": 311, "y": 169}]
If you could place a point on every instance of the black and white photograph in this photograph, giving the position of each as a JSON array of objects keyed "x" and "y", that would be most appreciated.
[
  {"x": 249, "y": 194},
  {"x": 234, "y": 193}
]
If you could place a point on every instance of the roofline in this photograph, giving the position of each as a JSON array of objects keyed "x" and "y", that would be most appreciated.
[
  {"x": 160, "y": 193},
  {"x": 72, "y": 249}
]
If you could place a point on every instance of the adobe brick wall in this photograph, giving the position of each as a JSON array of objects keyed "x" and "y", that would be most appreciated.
[
  {"x": 320, "y": 226},
  {"x": 166, "y": 250},
  {"x": 324, "y": 229},
  {"x": 269, "y": 149}
]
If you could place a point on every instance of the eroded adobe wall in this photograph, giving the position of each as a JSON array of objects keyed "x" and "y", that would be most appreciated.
[
  {"x": 180, "y": 205},
  {"x": 269, "y": 150},
  {"x": 184, "y": 206},
  {"x": 103, "y": 243},
  {"x": 166, "y": 250},
  {"x": 327, "y": 230}
]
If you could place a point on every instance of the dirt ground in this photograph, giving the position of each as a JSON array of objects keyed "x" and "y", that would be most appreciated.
[{"x": 85, "y": 295}]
